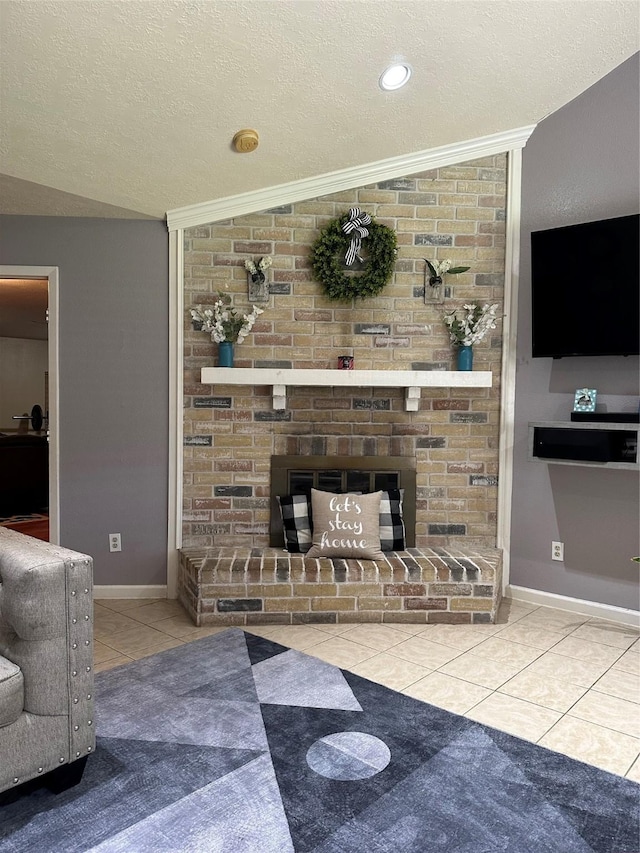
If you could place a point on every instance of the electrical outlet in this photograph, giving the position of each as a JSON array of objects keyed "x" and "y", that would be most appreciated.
[
  {"x": 557, "y": 551},
  {"x": 115, "y": 542}
]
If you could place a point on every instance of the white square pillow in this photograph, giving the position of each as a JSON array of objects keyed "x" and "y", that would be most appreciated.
[{"x": 346, "y": 525}]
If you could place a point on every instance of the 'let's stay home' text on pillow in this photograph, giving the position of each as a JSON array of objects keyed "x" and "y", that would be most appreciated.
[{"x": 346, "y": 525}]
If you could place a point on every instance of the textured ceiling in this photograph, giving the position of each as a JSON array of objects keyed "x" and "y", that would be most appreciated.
[{"x": 133, "y": 105}]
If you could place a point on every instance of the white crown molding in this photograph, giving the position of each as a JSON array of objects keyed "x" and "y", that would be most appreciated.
[{"x": 357, "y": 176}]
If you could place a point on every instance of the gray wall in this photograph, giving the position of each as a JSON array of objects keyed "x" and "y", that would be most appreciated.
[
  {"x": 581, "y": 164},
  {"x": 113, "y": 384}
]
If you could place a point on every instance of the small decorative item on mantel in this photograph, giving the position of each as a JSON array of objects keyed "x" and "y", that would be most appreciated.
[
  {"x": 257, "y": 276},
  {"x": 433, "y": 278},
  {"x": 469, "y": 329},
  {"x": 225, "y": 325}
]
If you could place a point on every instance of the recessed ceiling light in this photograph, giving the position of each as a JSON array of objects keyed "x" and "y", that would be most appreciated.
[{"x": 395, "y": 76}]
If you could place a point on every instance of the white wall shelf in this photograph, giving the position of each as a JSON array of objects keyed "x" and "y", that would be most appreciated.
[
  {"x": 411, "y": 380},
  {"x": 564, "y": 442}
]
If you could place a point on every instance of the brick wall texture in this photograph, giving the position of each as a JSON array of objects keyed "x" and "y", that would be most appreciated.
[{"x": 231, "y": 432}]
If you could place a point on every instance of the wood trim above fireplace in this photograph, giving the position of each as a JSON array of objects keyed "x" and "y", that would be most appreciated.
[{"x": 411, "y": 380}]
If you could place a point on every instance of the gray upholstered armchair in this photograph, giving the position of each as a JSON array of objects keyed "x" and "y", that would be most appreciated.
[{"x": 46, "y": 665}]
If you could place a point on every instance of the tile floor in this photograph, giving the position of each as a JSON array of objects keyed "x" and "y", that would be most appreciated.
[{"x": 566, "y": 681}]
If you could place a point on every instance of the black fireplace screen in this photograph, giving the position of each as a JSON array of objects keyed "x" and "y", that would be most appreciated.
[{"x": 297, "y": 475}]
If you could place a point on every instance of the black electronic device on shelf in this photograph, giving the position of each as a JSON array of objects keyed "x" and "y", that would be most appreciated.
[
  {"x": 613, "y": 445},
  {"x": 606, "y": 417}
]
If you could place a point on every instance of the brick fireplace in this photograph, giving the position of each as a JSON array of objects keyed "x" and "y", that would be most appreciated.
[
  {"x": 232, "y": 431},
  {"x": 261, "y": 586}
]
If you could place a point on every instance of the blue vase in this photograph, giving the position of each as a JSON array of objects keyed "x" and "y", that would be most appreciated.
[
  {"x": 465, "y": 357},
  {"x": 225, "y": 354}
]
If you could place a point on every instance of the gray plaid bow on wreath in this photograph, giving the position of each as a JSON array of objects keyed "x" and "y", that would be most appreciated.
[{"x": 355, "y": 225}]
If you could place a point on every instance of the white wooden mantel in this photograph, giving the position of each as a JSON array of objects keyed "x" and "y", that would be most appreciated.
[{"x": 411, "y": 380}]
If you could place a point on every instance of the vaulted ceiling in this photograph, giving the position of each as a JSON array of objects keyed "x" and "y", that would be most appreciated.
[{"x": 128, "y": 108}]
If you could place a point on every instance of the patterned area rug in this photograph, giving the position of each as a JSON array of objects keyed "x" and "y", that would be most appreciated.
[{"x": 235, "y": 744}]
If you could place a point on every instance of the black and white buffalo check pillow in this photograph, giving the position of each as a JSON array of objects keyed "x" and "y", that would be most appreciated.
[
  {"x": 296, "y": 523},
  {"x": 392, "y": 533},
  {"x": 297, "y": 526}
]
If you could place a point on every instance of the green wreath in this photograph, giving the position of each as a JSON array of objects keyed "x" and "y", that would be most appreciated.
[{"x": 327, "y": 256}]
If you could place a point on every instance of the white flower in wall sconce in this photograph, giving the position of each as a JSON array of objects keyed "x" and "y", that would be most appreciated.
[
  {"x": 257, "y": 278},
  {"x": 433, "y": 278}
]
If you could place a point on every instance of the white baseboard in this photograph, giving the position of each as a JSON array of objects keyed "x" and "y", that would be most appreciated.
[
  {"x": 518, "y": 593},
  {"x": 127, "y": 591},
  {"x": 622, "y": 615}
]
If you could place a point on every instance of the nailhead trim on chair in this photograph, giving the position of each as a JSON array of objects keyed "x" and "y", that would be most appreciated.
[{"x": 78, "y": 671}]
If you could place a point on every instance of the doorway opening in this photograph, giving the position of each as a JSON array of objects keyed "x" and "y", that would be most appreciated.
[{"x": 28, "y": 402}]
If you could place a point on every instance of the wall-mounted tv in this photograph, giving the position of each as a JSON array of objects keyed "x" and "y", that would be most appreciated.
[{"x": 585, "y": 288}]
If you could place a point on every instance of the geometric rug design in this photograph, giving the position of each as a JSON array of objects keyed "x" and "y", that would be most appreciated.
[
  {"x": 235, "y": 744},
  {"x": 292, "y": 678}
]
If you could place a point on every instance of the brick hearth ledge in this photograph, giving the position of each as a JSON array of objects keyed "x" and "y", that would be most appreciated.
[{"x": 268, "y": 586}]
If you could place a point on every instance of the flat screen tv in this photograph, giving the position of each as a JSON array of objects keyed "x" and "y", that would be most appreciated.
[{"x": 585, "y": 287}]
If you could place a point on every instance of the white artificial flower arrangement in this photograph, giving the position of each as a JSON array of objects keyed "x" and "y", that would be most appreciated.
[
  {"x": 473, "y": 325},
  {"x": 257, "y": 272},
  {"x": 223, "y": 322},
  {"x": 439, "y": 268}
]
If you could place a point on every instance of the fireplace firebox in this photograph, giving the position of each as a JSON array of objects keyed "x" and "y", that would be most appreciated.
[
  {"x": 297, "y": 475},
  {"x": 237, "y": 585}
]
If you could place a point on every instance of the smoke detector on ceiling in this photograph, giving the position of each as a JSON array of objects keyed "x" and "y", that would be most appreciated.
[{"x": 246, "y": 140}]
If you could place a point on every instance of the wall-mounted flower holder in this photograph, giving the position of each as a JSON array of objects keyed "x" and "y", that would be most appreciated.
[
  {"x": 258, "y": 287},
  {"x": 257, "y": 279},
  {"x": 435, "y": 290}
]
